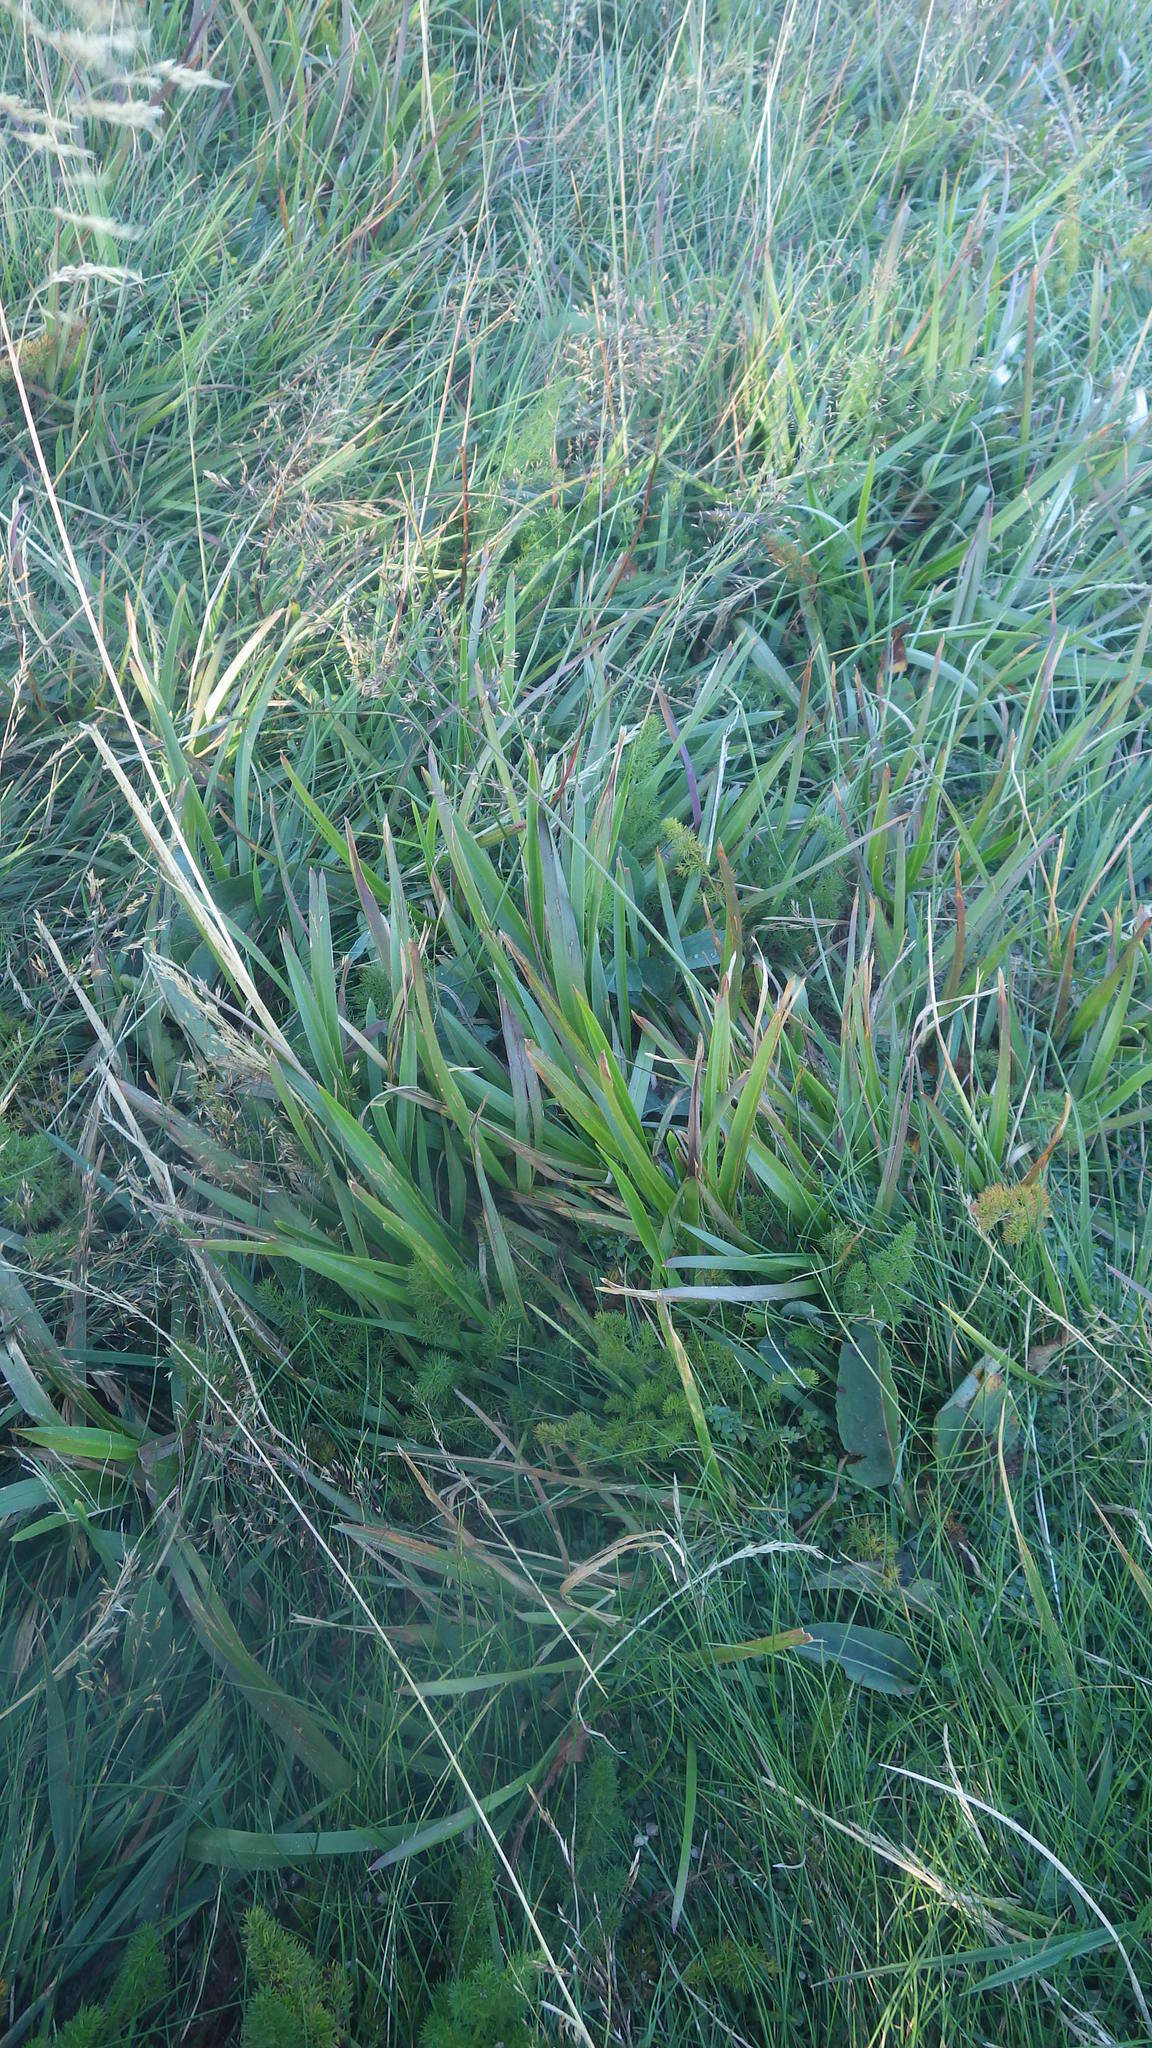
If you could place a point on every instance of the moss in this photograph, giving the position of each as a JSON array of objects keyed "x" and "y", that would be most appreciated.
[
  {"x": 644, "y": 1414},
  {"x": 439, "y": 1373},
  {"x": 1020, "y": 1211},
  {"x": 35, "y": 1181},
  {"x": 689, "y": 854},
  {"x": 642, "y": 816},
  {"x": 736, "y": 1967},
  {"x": 373, "y": 992},
  {"x": 296, "y": 2003},
  {"x": 877, "y": 1280},
  {"x": 482, "y": 2009},
  {"x": 140, "y": 1983},
  {"x": 473, "y": 1928},
  {"x": 601, "y": 1859},
  {"x": 88, "y": 2028}
]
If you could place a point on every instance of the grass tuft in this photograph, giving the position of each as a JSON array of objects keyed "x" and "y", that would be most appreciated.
[{"x": 575, "y": 1024}]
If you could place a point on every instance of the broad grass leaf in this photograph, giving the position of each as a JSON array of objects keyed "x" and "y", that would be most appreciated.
[
  {"x": 971, "y": 1415},
  {"x": 868, "y": 1655},
  {"x": 867, "y": 1409},
  {"x": 290, "y": 1718}
]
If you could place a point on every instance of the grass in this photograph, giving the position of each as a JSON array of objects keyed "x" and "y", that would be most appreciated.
[{"x": 575, "y": 1038}]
